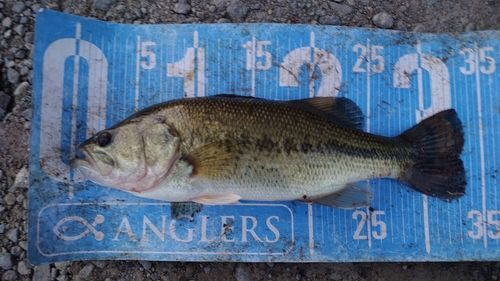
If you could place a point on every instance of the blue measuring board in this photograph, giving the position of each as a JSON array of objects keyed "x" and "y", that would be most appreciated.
[{"x": 91, "y": 74}]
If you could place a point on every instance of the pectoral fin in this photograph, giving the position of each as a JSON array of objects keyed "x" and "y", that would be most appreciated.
[
  {"x": 214, "y": 161},
  {"x": 354, "y": 195},
  {"x": 219, "y": 199}
]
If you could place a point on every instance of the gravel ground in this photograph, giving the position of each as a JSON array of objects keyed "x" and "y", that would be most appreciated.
[{"x": 16, "y": 45}]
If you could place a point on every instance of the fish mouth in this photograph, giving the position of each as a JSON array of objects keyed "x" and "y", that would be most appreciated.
[{"x": 87, "y": 166}]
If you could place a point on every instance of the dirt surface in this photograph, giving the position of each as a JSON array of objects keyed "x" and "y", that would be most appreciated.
[{"x": 16, "y": 45}]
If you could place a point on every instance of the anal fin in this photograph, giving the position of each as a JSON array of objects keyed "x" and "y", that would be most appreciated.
[
  {"x": 354, "y": 195},
  {"x": 219, "y": 199}
]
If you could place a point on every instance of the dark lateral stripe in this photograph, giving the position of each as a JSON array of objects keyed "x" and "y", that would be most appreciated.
[{"x": 289, "y": 146}]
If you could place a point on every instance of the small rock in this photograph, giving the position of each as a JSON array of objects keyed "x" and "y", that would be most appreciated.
[
  {"x": 329, "y": 20},
  {"x": 103, "y": 5},
  {"x": 13, "y": 234},
  {"x": 146, "y": 264},
  {"x": 270, "y": 264},
  {"x": 383, "y": 20},
  {"x": 19, "y": 55},
  {"x": 4, "y": 102},
  {"x": 5, "y": 261},
  {"x": 470, "y": 27},
  {"x": 23, "y": 269},
  {"x": 7, "y": 34},
  {"x": 29, "y": 37},
  {"x": 19, "y": 29},
  {"x": 10, "y": 199},
  {"x": 63, "y": 277},
  {"x": 220, "y": 4},
  {"x": 53, "y": 273},
  {"x": 21, "y": 180},
  {"x": 42, "y": 273},
  {"x": 341, "y": 10},
  {"x": 419, "y": 28},
  {"x": 241, "y": 274},
  {"x": 86, "y": 271},
  {"x": 237, "y": 9},
  {"x": 22, "y": 89},
  {"x": 62, "y": 265},
  {"x": 298, "y": 276},
  {"x": 24, "y": 20},
  {"x": 182, "y": 7},
  {"x": 400, "y": 26},
  {"x": 190, "y": 270},
  {"x": 35, "y": 7},
  {"x": 24, "y": 245},
  {"x": 7, "y": 22},
  {"x": 12, "y": 75},
  {"x": 223, "y": 20},
  {"x": 10, "y": 275},
  {"x": 207, "y": 269},
  {"x": 430, "y": 2},
  {"x": 200, "y": 15},
  {"x": 100, "y": 264},
  {"x": 26, "y": 114},
  {"x": 10, "y": 180},
  {"x": 24, "y": 70},
  {"x": 16, "y": 251},
  {"x": 18, "y": 7}
]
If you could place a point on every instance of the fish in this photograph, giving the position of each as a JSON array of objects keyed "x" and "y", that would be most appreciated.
[{"x": 221, "y": 149}]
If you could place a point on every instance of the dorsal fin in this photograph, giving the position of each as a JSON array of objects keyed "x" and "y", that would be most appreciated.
[
  {"x": 345, "y": 111},
  {"x": 233, "y": 96}
]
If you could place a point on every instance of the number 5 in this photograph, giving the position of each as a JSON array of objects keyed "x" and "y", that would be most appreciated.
[
  {"x": 379, "y": 67},
  {"x": 265, "y": 54},
  {"x": 151, "y": 56},
  {"x": 375, "y": 223},
  {"x": 484, "y": 58}
]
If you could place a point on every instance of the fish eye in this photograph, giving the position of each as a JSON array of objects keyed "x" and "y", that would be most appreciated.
[{"x": 104, "y": 139}]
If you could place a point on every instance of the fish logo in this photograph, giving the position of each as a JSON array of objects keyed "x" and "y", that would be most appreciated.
[{"x": 60, "y": 228}]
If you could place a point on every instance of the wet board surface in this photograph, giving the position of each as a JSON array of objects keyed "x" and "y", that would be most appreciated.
[{"x": 90, "y": 75}]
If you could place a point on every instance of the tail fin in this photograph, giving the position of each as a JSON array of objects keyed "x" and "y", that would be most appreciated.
[{"x": 437, "y": 143}]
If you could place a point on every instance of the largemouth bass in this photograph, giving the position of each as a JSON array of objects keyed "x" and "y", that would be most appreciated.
[{"x": 222, "y": 149}]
